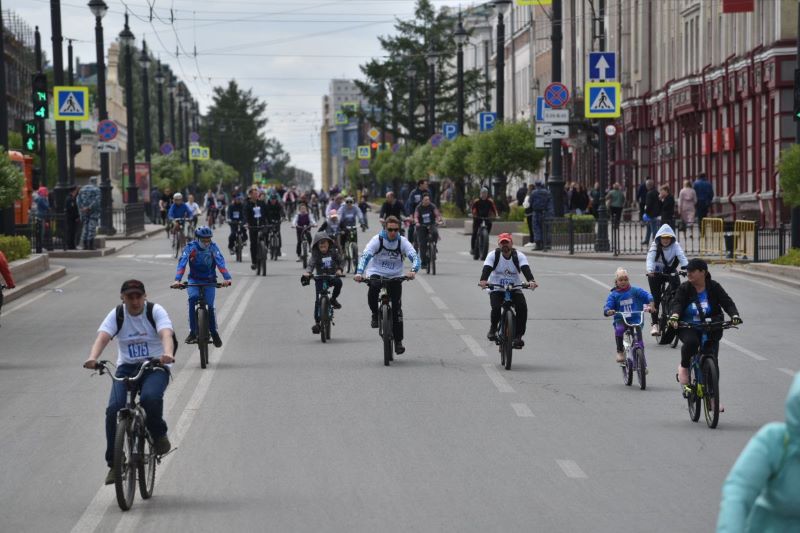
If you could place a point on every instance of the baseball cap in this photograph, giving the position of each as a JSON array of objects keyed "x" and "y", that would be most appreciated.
[
  {"x": 697, "y": 264},
  {"x": 505, "y": 237},
  {"x": 132, "y": 285}
]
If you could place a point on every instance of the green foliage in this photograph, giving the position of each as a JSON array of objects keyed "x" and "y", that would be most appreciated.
[
  {"x": 508, "y": 149},
  {"x": 450, "y": 210},
  {"x": 790, "y": 259},
  {"x": 15, "y": 247},
  {"x": 453, "y": 163},
  {"x": 215, "y": 172},
  {"x": 15, "y": 143},
  {"x": 418, "y": 163},
  {"x": 392, "y": 165},
  {"x": 170, "y": 173},
  {"x": 516, "y": 214},
  {"x": 356, "y": 179},
  {"x": 582, "y": 224},
  {"x": 789, "y": 166},
  {"x": 11, "y": 180}
]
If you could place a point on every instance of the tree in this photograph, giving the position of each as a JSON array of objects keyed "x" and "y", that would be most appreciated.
[
  {"x": 277, "y": 160},
  {"x": 170, "y": 173},
  {"x": 789, "y": 167},
  {"x": 15, "y": 143},
  {"x": 453, "y": 164},
  {"x": 214, "y": 173},
  {"x": 386, "y": 83},
  {"x": 11, "y": 180},
  {"x": 509, "y": 149}
]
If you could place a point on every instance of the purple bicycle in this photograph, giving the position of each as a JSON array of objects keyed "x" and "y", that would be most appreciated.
[{"x": 635, "y": 361}]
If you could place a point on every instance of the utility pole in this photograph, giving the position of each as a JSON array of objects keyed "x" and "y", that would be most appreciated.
[
  {"x": 601, "y": 243},
  {"x": 556, "y": 181},
  {"x": 61, "y": 130},
  {"x": 42, "y": 140},
  {"x": 796, "y": 209},
  {"x": 71, "y": 127},
  {"x": 3, "y": 95}
]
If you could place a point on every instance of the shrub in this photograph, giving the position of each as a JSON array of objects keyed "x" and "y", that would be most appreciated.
[
  {"x": 516, "y": 214},
  {"x": 450, "y": 210},
  {"x": 790, "y": 259},
  {"x": 15, "y": 247}
]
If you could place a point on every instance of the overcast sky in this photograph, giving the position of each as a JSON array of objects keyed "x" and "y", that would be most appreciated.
[{"x": 285, "y": 50}]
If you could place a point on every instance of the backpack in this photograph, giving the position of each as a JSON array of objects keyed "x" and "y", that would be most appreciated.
[
  {"x": 514, "y": 258},
  {"x": 149, "y": 314}
]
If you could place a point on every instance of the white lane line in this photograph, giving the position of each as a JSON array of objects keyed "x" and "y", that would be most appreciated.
[
  {"x": 743, "y": 350},
  {"x": 473, "y": 346},
  {"x": 29, "y": 301},
  {"x": 571, "y": 469},
  {"x": 145, "y": 256},
  {"x": 164, "y": 256},
  {"x": 125, "y": 256},
  {"x": 438, "y": 302},
  {"x": 774, "y": 286},
  {"x": 498, "y": 380},
  {"x": 105, "y": 498},
  {"x": 522, "y": 410},
  {"x": 453, "y": 321},
  {"x": 594, "y": 280},
  {"x": 787, "y": 371},
  {"x": 425, "y": 285}
]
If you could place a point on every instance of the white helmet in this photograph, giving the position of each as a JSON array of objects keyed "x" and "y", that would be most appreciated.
[{"x": 177, "y": 196}]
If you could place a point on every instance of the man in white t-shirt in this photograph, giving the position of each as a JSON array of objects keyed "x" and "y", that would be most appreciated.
[
  {"x": 139, "y": 339},
  {"x": 505, "y": 270}
]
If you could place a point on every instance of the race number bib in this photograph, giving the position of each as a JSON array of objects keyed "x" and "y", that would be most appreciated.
[
  {"x": 138, "y": 349},
  {"x": 257, "y": 211},
  {"x": 426, "y": 218},
  {"x": 235, "y": 215},
  {"x": 327, "y": 262}
]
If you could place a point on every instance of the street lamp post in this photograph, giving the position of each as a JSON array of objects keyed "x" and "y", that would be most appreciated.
[
  {"x": 172, "y": 89},
  {"x": 126, "y": 38},
  {"x": 411, "y": 71},
  {"x": 159, "y": 78},
  {"x": 144, "y": 61},
  {"x": 431, "y": 58},
  {"x": 500, "y": 62},
  {"x": 460, "y": 36},
  {"x": 99, "y": 9}
]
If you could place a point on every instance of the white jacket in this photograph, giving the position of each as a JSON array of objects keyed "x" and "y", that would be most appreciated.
[{"x": 670, "y": 252}]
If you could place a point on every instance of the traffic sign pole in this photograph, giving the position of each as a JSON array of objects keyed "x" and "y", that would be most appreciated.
[
  {"x": 556, "y": 180},
  {"x": 602, "y": 243}
]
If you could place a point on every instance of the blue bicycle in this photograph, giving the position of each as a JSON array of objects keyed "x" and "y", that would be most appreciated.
[{"x": 633, "y": 343}]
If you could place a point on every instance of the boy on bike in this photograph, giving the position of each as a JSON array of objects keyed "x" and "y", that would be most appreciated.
[
  {"x": 663, "y": 257},
  {"x": 625, "y": 298},
  {"x": 325, "y": 259},
  {"x": 503, "y": 267},
  {"x": 143, "y": 331},
  {"x": 204, "y": 258}
]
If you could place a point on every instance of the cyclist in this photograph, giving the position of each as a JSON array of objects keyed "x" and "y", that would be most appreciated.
[
  {"x": 143, "y": 331},
  {"x": 364, "y": 206},
  {"x": 696, "y": 299},
  {"x": 210, "y": 205},
  {"x": 302, "y": 221},
  {"x": 274, "y": 215},
  {"x": 391, "y": 208},
  {"x": 5, "y": 274},
  {"x": 314, "y": 205},
  {"x": 414, "y": 199},
  {"x": 325, "y": 259},
  {"x": 663, "y": 257},
  {"x": 254, "y": 213},
  {"x": 335, "y": 204},
  {"x": 236, "y": 219},
  {"x": 483, "y": 207},
  {"x": 204, "y": 258},
  {"x": 426, "y": 216},
  {"x": 194, "y": 208},
  {"x": 349, "y": 216},
  {"x": 332, "y": 228},
  {"x": 178, "y": 211},
  {"x": 625, "y": 298},
  {"x": 503, "y": 267},
  {"x": 387, "y": 249}
]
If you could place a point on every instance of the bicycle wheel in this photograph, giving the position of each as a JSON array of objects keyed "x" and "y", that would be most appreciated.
[
  {"x": 202, "y": 335},
  {"x": 508, "y": 333},
  {"x": 304, "y": 253},
  {"x": 386, "y": 332},
  {"x": 324, "y": 317},
  {"x": 262, "y": 258},
  {"x": 692, "y": 397},
  {"x": 147, "y": 466},
  {"x": 627, "y": 370},
  {"x": 484, "y": 243},
  {"x": 354, "y": 254},
  {"x": 124, "y": 465},
  {"x": 641, "y": 367},
  {"x": 432, "y": 259},
  {"x": 239, "y": 246},
  {"x": 668, "y": 334},
  {"x": 711, "y": 391}
]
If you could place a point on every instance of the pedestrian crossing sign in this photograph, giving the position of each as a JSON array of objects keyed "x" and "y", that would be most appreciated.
[
  {"x": 364, "y": 152},
  {"x": 603, "y": 99},
  {"x": 71, "y": 103},
  {"x": 199, "y": 153}
]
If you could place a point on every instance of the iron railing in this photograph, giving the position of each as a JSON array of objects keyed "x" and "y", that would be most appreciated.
[
  {"x": 129, "y": 219},
  {"x": 771, "y": 243},
  {"x": 45, "y": 233}
]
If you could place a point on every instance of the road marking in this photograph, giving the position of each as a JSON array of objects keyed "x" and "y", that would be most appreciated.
[
  {"x": 29, "y": 301},
  {"x": 105, "y": 497},
  {"x": 785, "y": 289},
  {"x": 787, "y": 371},
  {"x": 146, "y": 256},
  {"x": 451, "y": 318},
  {"x": 522, "y": 410},
  {"x": 571, "y": 469},
  {"x": 743, "y": 350},
  {"x": 438, "y": 302},
  {"x": 498, "y": 380},
  {"x": 125, "y": 256},
  {"x": 593, "y": 280},
  {"x": 425, "y": 285},
  {"x": 473, "y": 345},
  {"x": 164, "y": 256}
]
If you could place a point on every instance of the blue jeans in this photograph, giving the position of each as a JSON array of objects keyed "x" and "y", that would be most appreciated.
[
  {"x": 194, "y": 295},
  {"x": 652, "y": 229},
  {"x": 151, "y": 390},
  {"x": 335, "y": 284}
]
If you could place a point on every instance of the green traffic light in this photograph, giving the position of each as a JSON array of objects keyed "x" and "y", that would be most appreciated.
[
  {"x": 42, "y": 96},
  {"x": 31, "y": 144},
  {"x": 40, "y": 112}
]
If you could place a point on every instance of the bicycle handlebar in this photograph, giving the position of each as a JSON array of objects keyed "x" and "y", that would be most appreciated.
[
  {"x": 327, "y": 276},
  {"x": 382, "y": 279},
  {"x": 186, "y": 285},
  {"x": 708, "y": 326},
  {"x": 506, "y": 287},
  {"x": 102, "y": 368},
  {"x": 625, "y": 316}
]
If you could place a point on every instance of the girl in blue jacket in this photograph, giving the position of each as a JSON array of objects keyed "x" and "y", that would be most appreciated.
[{"x": 624, "y": 298}]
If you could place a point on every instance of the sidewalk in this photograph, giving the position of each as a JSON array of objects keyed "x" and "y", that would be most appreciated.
[
  {"x": 787, "y": 275},
  {"x": 30, "y": 274},
  {"x": 118, "y": 242}
]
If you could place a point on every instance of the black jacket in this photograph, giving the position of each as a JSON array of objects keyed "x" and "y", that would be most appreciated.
[
  {"x": 71, "y": 208},
  {"x": 668, "y": 209},
  {"x": 394, "y": 210},
  {"x": 250, "y": 213},
  {"x": 718, "y": 300},
  {"x": 652, "y": 206},
  {"x": 317, "y": 262}
]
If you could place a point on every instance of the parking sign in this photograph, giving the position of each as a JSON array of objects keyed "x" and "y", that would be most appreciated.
[{"x": 486, "y": 121}]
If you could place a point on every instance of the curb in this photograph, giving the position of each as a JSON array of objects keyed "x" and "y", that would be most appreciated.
[
  {"x": 82, "y": 254},
  {"x": 35, "y": 282},
  {"x": 595, "y": 257},
  {"x": 795, "y": 284},
  {"x": 136, "y": 236}
]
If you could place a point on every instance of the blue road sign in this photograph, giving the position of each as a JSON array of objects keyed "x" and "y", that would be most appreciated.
[
  {"x": 541, "y": 105},
  {"x": 556, "y": 94},
  {"x": 167, "y": 148},
  {"x": 486, "y": 121},
  {"x": 602, "y": 66},
  {"x": 450, "y": 130},
  {"x": 603, "y": 100},
  {"x": 71, "y": 103}
]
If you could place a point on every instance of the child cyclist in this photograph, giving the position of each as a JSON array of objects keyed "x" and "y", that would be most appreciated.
[
  {"x": 325, "y": 259},
  {"x": 625, "y": 298}
]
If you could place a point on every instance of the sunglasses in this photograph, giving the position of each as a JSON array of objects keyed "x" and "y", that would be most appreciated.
[{"x": 392, "y": 230}]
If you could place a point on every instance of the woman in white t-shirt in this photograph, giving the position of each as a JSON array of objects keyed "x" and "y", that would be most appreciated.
[
  {"x": 194, "y": 207},
  {"x": 146, "y": 333}
]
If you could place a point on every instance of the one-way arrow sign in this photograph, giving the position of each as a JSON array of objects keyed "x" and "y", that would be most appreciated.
[{"x": 602, "y": 66}]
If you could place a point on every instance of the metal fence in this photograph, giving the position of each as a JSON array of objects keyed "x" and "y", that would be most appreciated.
[
  {"x": 771, "y": 243},
  {"x": 46, "y": 233},
  {"x": 129, "y": 219}
]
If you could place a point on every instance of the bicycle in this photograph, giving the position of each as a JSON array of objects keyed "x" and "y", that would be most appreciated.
[
  {"x": 2, "y": 288},
  {"x": 179, "y": 236},
  {"x": 134, "y": 453},
  {"x": 261, "y": 250},
  {"x": 305, "y": 236},
  {"x": 273, "y": 230},
  {"x": 506, "y": 330},
  {"x": 669, "y": 284},
  {"x": 350, "y": 235},
  {"x": 703, "y": 383},
  {"x": 432, "y": 248},
  {"x": 481, "y": 239},
  {"x": 385, "y": 316},
  {"x": 238, "y": 241},
  {"x": 211, "y": 216},
  {"x": 202, "y": 319},
  {"x": 325, "y": 307},
  {"x": 634, "y": 350}
]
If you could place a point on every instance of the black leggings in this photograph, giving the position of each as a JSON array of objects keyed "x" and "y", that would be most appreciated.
[
  {"x": 395, "y": 289},
  {"x": 690, "y": 340},
  {"x": 655, "y": 283},
  {"x": 476, "y": 224},
  {"x": 520, "y": 307}
]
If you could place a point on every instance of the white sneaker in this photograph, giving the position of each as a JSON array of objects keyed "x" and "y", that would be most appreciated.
[{"x": 654, "y": 331}]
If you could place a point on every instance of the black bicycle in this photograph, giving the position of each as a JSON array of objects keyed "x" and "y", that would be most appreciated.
[
  {"x": 134, "y": 450},
  {"x": 305, "y": 236},
  {"x": 350, "y": 234},
  {"x": 2, "y": 288},
  {"x": 481, "y": 239},
  {"x": 669, "y": 285},
  {"x": 385, "y": 316},
  {"x": 325, "y": 307},
  {"x": 703, "y": 383},
  {"x": 238, "y": 240},
  {"x": 432, "y": 248},
  {"x": 273, "y": 241},
  {"x": 506, "y": 331},
  {"x": 179, "y": 236},
  {"x": 201, "y": 314}
]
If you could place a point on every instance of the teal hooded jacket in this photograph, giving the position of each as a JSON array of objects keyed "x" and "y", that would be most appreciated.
[{"x": 762, "y": 490}]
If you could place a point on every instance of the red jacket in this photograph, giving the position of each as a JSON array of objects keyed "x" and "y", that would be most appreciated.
[{"x": 5, "y": 271}]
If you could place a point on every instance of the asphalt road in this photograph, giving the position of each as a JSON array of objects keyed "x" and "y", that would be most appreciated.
[{"x": 283, "y": 433}]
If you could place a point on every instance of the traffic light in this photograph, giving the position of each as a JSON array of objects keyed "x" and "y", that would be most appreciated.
[
  {"x": 374, "y": 146},
  {"x": 40, "y": 107},
  {"x": 74, "y": 147},
  {"x": 30, "y": 136},
  {"x": 797, "y": 95}
]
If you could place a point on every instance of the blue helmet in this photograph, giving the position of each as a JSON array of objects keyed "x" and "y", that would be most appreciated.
[{"x": 203, "y": 232}]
